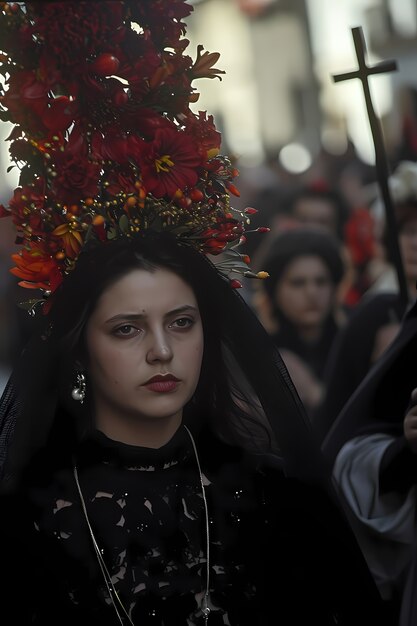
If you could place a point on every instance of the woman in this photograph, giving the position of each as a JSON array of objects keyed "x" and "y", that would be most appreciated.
[
  {"x": 144, "y": 476},
  {"x": 157, "y": 465},
  {"x": 305, "y": 268}
]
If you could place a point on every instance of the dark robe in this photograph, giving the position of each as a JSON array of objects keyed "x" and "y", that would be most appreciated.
[
  {"x": 381, "y": 493},
  {"x": 350, "y": 357}
]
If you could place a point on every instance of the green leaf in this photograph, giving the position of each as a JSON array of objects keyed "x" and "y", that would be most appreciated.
[{"x": 124, "y": 224}]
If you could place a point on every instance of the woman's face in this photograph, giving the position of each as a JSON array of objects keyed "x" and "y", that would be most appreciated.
[
  {"x": 305, "y": 292},
  {"x": 145, "y": 325}
]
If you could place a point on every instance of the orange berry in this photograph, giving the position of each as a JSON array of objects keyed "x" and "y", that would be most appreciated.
[
  {"x": 131, "y": 201},
  {"x": 98, "y": 220}
]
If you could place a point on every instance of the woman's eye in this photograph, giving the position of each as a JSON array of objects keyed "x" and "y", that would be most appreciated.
[
  {"x": 182, "y": 322},
  {"x": 126, "y": 331}
]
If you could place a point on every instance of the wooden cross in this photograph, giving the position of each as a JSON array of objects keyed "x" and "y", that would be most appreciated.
[{"x": 381, "y": 161}]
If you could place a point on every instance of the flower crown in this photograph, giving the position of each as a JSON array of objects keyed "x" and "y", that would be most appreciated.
[{"x": 104, "y": 137}]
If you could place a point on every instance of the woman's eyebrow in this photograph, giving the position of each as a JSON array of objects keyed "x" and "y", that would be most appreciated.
[{"x": 187, "y": 308}]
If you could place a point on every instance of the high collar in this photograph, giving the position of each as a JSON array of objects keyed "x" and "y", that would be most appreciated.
[{"x": 99, "y": 448}]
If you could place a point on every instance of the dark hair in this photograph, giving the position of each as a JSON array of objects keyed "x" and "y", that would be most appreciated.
[{"x": 292, "y": 244}]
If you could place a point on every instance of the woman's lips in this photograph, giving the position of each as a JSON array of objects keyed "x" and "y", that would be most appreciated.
[{"x": 162, "y": 386}]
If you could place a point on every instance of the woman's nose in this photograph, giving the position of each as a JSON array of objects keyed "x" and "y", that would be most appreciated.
[{"x": 159, "y": 348}]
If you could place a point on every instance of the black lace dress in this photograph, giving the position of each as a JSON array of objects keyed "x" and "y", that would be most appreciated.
[{"x": 147, "y": 513}]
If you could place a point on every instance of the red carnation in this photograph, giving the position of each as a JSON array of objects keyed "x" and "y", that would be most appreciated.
[{"x": 170, "y": 162}]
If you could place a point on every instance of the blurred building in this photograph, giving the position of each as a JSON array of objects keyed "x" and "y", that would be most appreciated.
[{"x": 278, "y": 96}]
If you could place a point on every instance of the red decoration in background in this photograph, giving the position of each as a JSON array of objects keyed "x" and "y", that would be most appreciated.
[
  {"x": 359, "y": 236},
  {"x": 360, "y": 241},
  {"x": 320, "y": 185}
]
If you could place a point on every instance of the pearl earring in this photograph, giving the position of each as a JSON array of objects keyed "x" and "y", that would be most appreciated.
[{"x": 78, "y": 391}]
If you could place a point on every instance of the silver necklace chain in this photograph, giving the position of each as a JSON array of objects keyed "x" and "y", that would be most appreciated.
[{"x": 113, "y": 595}]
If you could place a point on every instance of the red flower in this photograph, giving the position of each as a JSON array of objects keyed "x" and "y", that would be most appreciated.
[
  {"x": 37, "y": 268},
  {"x": 169, "y": 163},
  {"x": 26, "y": 99},
  {"x": 77, "y": 178}
]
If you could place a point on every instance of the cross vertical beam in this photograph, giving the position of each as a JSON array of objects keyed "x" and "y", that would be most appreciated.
[{"x": 363, "y": 73}]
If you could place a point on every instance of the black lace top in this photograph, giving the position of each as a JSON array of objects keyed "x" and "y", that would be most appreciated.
[{"x": 147, "y": 513}]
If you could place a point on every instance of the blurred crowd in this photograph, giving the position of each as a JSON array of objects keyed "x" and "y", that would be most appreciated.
[{"x": 332, "y": 301}]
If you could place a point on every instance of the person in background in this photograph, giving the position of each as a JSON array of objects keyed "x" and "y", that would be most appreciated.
[
  {"x": 298, "y": 305},
  {"x": 372, "y": 449},
  {"x": 375, "y": 321}
]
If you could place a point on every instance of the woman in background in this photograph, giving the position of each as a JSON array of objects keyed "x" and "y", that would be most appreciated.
[{"x": 300, "y": 305}]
